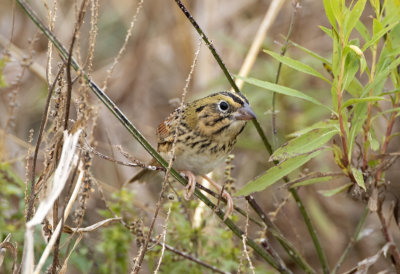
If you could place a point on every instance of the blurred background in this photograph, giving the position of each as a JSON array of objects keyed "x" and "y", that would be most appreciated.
[{"x": 147, "y": 84}]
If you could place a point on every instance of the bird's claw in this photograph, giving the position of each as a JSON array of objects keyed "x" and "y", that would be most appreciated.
[
  {"x": 225, "y": 194},
  {"x": 229, "y": 204},
  {"x": 191, "y": 186}
]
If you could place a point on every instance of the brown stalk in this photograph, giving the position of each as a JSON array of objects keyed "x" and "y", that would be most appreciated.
[{"x": 77, "y": 27}]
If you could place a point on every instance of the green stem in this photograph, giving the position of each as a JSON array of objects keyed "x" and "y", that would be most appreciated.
[
  {"x": 313, "y": 233},
  {"x": 140, "y": 138},
  {"x": 352, "y": 240}
]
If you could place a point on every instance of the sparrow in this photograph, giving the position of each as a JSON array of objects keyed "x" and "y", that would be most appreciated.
[{"x": 205, "y": 135}]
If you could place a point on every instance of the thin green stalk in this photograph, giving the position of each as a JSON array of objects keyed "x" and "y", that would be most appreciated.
[
  {"x": 313, "y": 233},
  {"x": 140, "y": 138},
  {"x": 352, "y": 240}
]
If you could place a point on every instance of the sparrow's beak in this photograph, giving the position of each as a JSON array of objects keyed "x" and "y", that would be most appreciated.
[{"x": 244, "y": 113}]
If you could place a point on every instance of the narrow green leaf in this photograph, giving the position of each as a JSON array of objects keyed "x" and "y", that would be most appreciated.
[
  {"x": 312, "y": 181},
  {"x": 374, "y": 143},
  {"x": 325, "y": 124},
  {"x": 305, "y": 143},
  {"x": 359, "y": 116},
  {"x": 297, "y": 65},
  {"x": 381, "y": 76},
  {"x": 354, "y": 101},
  {"x": 338, "y": 10},
  {"x": 379, "y": 35},
  {"x": 327, "y": 31},
  {"x": 352, "y": 65},
  {"x": 385, "y": 112},
  {"x": 275, "y": 173},
  {"x": 283, "y": 90},
  {"x": 329, "y": 12},
  {"x": 359, "y": 177},
  {"x": 331, "y": 192},
  {"x": 312, "y": 53},
  {"x": 355, "y": 88},
  {"x": 353, "y": 17},
  {"x": 362, "y": 30}
]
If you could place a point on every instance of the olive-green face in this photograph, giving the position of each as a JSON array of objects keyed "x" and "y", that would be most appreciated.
[{"x": 221, "y": 114}]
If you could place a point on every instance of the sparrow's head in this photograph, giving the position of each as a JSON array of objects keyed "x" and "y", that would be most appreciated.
[{"x": 221, "y": 115}]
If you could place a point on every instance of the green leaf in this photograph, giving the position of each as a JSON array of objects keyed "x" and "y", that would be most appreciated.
[
  {"x": 312, "y": 181},
  {"x": 297, "y": 65},
  {"x": 351, "y": 67},
  {"x": 359, "y": 116},
  {"x": 275, "y": 173},
  {"x": 379, "y": 35},
  {"x": 362, "y": 29},
  {"x": 353, "y": 17},
  {"x": 283, "y": 90},
  {"x": 325, "y": 124},
  {"x": 331, "y": 192},
  {"x": 329, "y": 13},
  {"x": 359, "y": 177},
  {"x": 338, "y": 10},
  {"x": 373, "y": 140},
  {"x": 305, "y": 143},
  {"x": 354, "y": 101},
  {"x": 381, "y": 76},
  {"x": 355, "y": 88},
  {"x": 312, "y": 53}
]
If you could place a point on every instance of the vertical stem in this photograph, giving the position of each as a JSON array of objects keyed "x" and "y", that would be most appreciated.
[
  {"x": 339, "y": 94},
  {"x": 313, "y": 233},
  {"x": 368, "y": 122}
]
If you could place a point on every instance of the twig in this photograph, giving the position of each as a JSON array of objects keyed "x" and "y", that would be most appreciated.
[
  {"x": 244, "y": 236},
  {"x": 78, "y": 25},
  {"x": 163, "y": 235}
]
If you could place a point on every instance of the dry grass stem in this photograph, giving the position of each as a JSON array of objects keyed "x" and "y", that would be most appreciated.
[
  {"x": 245, "y": 252},
  {"x": 163, "y": 237},
  {"x": 68, "y": 161}
]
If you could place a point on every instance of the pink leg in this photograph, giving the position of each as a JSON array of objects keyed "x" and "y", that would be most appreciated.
[
  {"x": 191, "y": 186},
  {"x": 226, "y": 195}
]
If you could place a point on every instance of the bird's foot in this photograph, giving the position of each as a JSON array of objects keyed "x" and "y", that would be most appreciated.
[
  {"x": 191, "y": 186},
  {"x": 225, "y": 194}
]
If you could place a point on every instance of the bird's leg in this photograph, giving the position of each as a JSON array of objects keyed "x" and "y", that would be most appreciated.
[
  {"x": 225, "y": 194},
  {"x": 191, "y": 186}
]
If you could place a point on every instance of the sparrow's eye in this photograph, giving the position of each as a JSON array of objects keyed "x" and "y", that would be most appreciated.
[{"x": 223, "y": 106}]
